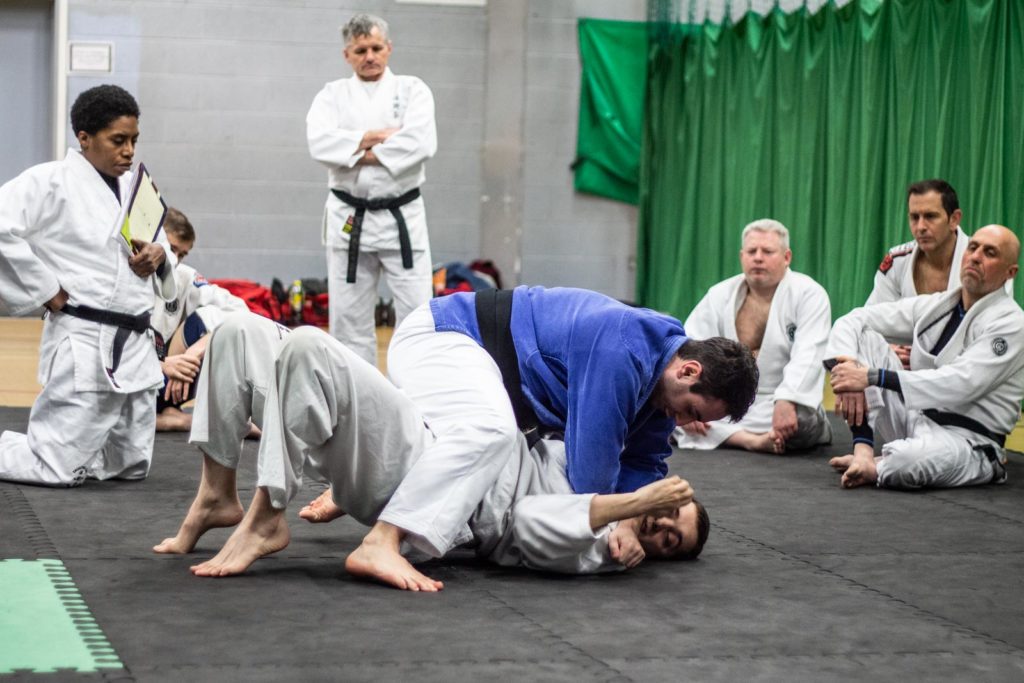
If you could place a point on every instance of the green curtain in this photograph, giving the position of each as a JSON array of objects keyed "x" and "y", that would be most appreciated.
[
  {"x": 613, "y": 55},
  {"x": 821, "y": 121}
]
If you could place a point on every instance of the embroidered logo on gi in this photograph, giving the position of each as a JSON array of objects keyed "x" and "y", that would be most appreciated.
[
  {"x": 171, "y": 306},
  {"x": 999, "y": 346},
  {"x": 791, "y": 331},
  {"x": 886, "y": 263}
]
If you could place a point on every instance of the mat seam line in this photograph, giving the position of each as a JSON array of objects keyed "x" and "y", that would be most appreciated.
[{"x": 967, "y": 630}]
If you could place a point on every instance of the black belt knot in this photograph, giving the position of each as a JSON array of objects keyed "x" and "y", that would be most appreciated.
[
  {"x": 124, "y": 322},
  {"x": 364, "y": 204}
]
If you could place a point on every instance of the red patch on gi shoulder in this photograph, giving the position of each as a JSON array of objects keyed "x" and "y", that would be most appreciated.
[{"x": 886, "y": 263}]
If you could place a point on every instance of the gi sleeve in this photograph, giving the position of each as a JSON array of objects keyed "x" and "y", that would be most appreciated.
[
  {"x": 552, "y": 533},
  {"x": 803, "y": 375},
  {"x": 329, "y": 143},
  {"x": 416, "y": 140},
  {"x": 894, "y": 321},
  {"x": 643, "y": 458},
  {"x": 26, "y": 283},
  {"x": 165, "y": 285},
  {"x": 885, "y": 289}
]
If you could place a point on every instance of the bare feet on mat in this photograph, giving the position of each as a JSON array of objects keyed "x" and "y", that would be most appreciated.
[
  {"x": 758, "y": 443},
  {"x": 322, "y": 509},
  {"x": 173, "y": 420},
  {"x": 207, "y": 512},
  {"x": 861, "y": 472},
  {"x": 262, "y": 532},
  {"x": 841, "y": 462},
  {"x": 378, "y": 559}
]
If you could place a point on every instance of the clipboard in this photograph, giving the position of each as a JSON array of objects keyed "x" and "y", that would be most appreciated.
[{"x": 142, "y": 214}]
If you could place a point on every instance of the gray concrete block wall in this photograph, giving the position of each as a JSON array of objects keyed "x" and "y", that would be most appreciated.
[
  {"x": 569, "y": 239},
  {"x": 224, "y": 87}
]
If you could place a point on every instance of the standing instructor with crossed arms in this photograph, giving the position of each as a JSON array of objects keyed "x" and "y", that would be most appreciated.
[{"x": 374, "y": 131}]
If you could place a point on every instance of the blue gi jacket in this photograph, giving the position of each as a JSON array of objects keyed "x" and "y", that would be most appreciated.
[{"x": 588, "y": 365}]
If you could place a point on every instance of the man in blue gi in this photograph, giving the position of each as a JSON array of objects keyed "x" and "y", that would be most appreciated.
[{"x": 612, "y": 379}]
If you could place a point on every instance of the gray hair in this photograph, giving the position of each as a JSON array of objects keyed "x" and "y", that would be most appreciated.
[
  {"x": 767, "y": 225},
  {"x": 363, "y": 25}
]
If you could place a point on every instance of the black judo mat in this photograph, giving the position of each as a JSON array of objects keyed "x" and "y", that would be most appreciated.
[{"x": 799, "y": 581}]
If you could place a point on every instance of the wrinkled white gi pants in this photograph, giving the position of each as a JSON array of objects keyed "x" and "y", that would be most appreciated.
[
  {"x": 917, "y": 452},
  {"x": 75, "y": 435},
  {"x": 325, "y": 413},
  {"x": 457, "y": 388},
  {"x": 352, "y": 304}
]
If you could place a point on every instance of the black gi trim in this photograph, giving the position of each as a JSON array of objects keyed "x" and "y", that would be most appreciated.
[{"x": 361, "y": 205}]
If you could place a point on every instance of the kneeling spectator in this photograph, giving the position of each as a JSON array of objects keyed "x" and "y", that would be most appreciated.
[{"x": 182, "y": 327}]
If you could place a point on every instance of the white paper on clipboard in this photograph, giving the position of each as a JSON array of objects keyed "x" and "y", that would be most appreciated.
[{"x": 142, "y": 213}]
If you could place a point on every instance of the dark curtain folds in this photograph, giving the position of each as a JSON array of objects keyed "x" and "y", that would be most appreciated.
[{"x": 821, "y": 121}]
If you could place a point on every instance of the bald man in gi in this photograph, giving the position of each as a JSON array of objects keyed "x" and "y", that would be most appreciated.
[{"x": 945, "y": 422}]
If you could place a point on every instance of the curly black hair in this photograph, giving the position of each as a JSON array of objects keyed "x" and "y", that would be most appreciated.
[{"x": 98, "y": 107}]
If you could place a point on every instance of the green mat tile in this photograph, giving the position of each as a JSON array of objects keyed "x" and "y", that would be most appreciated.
[{"x": 44, "y": 623}]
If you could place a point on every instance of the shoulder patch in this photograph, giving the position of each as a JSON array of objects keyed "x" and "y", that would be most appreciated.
[
  {"x": 999, "y": 346},
  {"x": 199, "y": 281},
  {"x": 894, "y": 253},
  {"x": 791, "y": 332},
  {"x": 902, "y": 249}
]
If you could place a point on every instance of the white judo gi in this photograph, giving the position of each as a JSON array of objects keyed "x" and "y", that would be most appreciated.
[
  {"x": 789, "y": 361},
  {"x": 56, "y": 221},
  {"x": 339, "y": 116},
  {"x": 195, "y": 295},
  {"x": 978, "y": 374},
  {"x": 329, "y": 415}
]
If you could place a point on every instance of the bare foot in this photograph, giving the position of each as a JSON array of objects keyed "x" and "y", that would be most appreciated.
[
  {"x": 377, "y": 559},
  {"x": 841, "y": 462},
  {"x": 322, "y": 509},
  {"x": 861, "y": 472},
  {"x": 262, "y": 532},
  {"x": 759, "y": 443},
  {"x": 173, "y": 420},
  {"x": 206, "y": 512}
]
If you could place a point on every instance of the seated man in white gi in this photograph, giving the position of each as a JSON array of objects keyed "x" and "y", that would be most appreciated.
[
  {"x": 59, "y": 249},
  {"x": 326, "y": 411},
  {"x": 784, "y": 318},
  {"x": 945, "y": 422},
  {"x": 183, "y": 326}
]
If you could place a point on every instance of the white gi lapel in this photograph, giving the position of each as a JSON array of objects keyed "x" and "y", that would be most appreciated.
[{"x": 958, "y": 256}]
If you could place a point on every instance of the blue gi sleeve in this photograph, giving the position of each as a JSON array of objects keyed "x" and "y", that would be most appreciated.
[{"x": 643, "y": 459}]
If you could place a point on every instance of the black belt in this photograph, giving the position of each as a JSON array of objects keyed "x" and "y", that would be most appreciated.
[
  {"x": 124, "y": 322},
  {"x": 956, "y": 420},
  {"x": 494, "y": 318},
  {"x": 392, "y": 204}
]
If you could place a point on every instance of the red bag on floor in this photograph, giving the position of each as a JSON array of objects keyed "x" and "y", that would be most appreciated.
[{"x": 258, "y": 298}]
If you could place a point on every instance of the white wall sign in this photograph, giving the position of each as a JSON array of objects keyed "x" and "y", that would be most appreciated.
[{"x": 90, "y": 57}]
